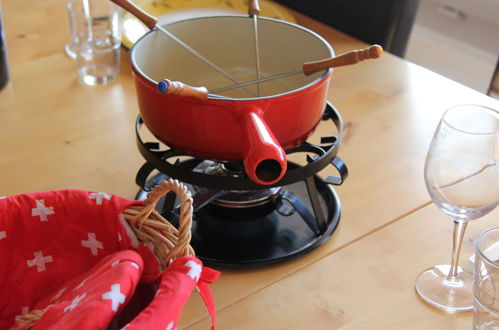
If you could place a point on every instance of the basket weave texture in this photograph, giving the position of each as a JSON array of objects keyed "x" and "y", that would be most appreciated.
[{"x": 151, "y": 227}]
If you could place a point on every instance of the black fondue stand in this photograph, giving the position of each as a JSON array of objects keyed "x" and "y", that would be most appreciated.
[{"x": 239, "y": 223}]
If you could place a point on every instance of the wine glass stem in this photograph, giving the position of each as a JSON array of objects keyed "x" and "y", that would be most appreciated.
[{"x": 459, "y": 229}]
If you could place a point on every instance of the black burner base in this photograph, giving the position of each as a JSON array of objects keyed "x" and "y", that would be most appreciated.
[
  {"x": 239, "y": 223},
  {"x": 266, "y": 240},
  {"x": 284, "y": 233}
]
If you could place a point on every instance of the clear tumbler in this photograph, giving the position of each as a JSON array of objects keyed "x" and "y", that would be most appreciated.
[
  {"x": 96, "y": 38},
  {"x": 486, "y": 281}
]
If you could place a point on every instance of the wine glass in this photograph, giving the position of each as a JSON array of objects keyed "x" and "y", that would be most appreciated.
[{"x": 462, "y": 177}]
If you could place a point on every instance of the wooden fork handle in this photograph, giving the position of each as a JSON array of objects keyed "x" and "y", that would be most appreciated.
[
  {"x": 253, "y": 7},
  {"x": 177, "y": 88},
  {"x": 149, "y": 20},
  {"x": 352, "y": 57}
]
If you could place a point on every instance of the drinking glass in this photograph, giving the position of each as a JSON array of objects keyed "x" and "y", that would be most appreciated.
[
  {"x": 486, "y": 281},
  {"x": 462, "y": 177},
  {"x": 95, "y": 27},
  {"x": 70, "y": 51},
  {"x": 70, "y": 48}
]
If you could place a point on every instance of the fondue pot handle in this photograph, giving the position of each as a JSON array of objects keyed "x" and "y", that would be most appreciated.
[
  {"x": 176, "y": 88},
  {"x": 265, "y": 161},
  {"x": 352, "y": 57},
  {"x": 148, "y": 20},
  {"x": 253, "y": 7}
]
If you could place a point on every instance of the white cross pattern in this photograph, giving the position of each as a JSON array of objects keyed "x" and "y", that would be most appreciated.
[
  {"x": 92, "y": 243},
  {"x": 99, "y": 196},
  {"x": 115, "y": 296},
  {"x": 41, "y": 210},
  {"x": 194, "y": 271},
  {"x": 3, "y": 234},
  {"x": 39, "y": 261},
  {"x": 74, "y": 303}
]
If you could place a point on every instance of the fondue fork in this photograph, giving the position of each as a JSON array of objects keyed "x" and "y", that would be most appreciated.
[
  {"x": 152, "y": 22},
  {"x": 349, "y": 58},
  {"x": 177, "y": 88},
  {"x": 253, "y": 11}
]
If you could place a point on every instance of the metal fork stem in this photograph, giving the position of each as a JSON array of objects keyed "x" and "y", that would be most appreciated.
[
  {"x": 201, "y": 57},
  {"x": 257, "y": 51}
]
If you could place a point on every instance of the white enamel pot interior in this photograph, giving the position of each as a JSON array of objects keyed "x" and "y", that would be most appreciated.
[{"x": 228, "y": 42}]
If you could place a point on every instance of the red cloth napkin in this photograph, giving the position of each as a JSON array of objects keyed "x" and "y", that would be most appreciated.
[
  {"x": 176, "y": 286},
  {"x": 49, "y": 239},
  {"x": 91, "y": 300}
]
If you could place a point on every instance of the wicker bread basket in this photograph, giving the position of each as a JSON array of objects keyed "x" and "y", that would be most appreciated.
[{"x": 150, "y": 227}]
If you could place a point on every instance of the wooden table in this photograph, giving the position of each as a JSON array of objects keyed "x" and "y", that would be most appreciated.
[{"x": 56, "y": 133}]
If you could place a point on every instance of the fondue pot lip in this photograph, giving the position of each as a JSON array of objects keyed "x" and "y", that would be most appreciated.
[{"x": 137, "y": 69}]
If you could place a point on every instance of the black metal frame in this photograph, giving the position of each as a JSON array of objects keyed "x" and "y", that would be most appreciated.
[
  {"x": 324, "y": 155},
  {"x": 300, "y": 217}
]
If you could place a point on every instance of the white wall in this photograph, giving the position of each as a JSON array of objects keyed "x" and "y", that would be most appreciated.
[{"x": 458, "y": 39}]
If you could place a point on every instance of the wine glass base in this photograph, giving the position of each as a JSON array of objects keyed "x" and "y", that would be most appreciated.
[{"x": 456, "y": 295}]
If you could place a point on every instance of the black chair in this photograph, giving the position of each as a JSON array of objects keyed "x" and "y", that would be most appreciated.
[{"x": 384, "y": 22}]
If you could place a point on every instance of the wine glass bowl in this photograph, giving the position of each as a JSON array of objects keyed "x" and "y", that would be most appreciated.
[{"x": 462, "y": 177}]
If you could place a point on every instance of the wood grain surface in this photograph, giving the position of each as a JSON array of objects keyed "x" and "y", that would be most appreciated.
[{"x": 56, "y": 133}]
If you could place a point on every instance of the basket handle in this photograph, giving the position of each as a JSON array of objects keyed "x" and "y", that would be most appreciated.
[{"x": 149, "y": 225}]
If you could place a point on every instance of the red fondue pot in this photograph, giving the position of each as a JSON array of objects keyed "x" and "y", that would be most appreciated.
[{"x": 238, "y": 124}]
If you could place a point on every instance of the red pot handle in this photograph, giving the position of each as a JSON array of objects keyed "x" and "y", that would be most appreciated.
[{"x": 265, "y": 161}]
